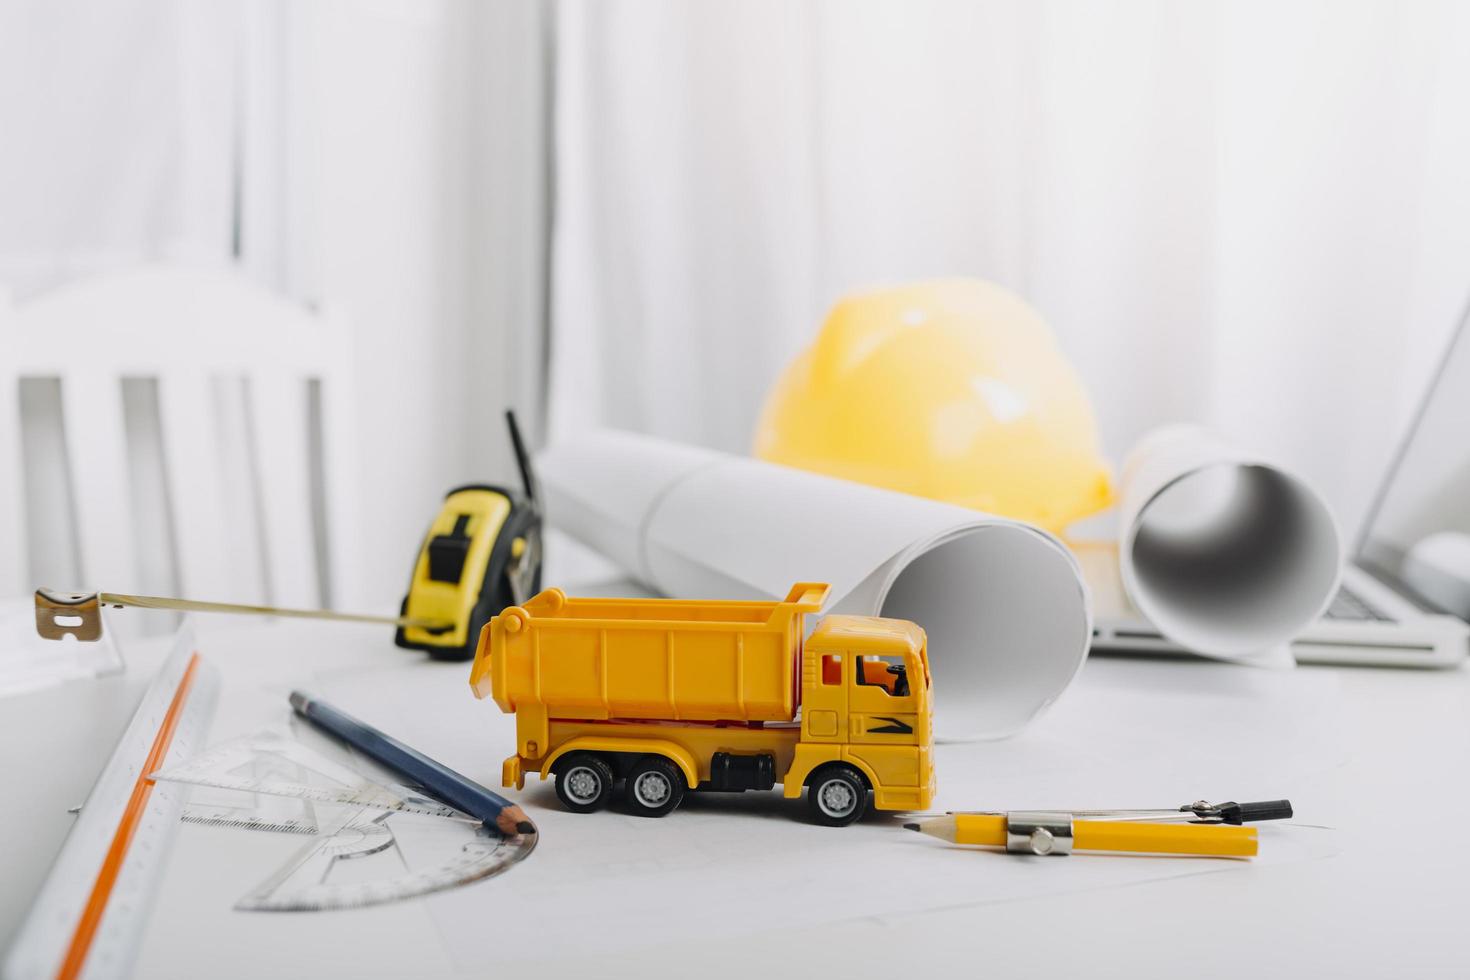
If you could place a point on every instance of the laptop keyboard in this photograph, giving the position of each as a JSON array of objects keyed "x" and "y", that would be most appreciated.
[{"x": 1347, "y": 606}]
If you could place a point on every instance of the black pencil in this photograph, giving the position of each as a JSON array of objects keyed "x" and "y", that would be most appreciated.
[{"x": 417, "y": 769}]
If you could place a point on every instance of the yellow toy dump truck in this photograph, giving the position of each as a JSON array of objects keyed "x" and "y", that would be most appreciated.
[{"x": 661, "y": 696}]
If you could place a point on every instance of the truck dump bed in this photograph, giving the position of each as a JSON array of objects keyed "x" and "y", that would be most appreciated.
[{"x": 648, "y": 659}]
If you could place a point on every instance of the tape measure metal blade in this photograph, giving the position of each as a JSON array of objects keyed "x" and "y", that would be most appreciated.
[{"x": 91, "y": 911}]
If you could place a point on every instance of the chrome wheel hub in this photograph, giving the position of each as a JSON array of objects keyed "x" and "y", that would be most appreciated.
[
  {"x": 583, "y": 785},
  {"x": 836, "y": 798},
  {"x": 652, "y": 789}
]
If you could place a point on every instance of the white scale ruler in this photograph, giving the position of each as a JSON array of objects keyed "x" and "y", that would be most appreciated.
[{"x": 89, "y": 915}]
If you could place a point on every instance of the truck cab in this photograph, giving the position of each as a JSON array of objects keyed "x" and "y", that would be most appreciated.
[{"x": 866, "y": 703}]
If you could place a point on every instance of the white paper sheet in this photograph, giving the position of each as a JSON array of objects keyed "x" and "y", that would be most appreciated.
[
  {"x": 1224, "y": 553},
  {"x": 1008, "y": 616}
]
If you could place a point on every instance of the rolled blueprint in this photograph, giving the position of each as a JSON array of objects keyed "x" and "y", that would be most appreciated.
[
  {"x": 1008, "y": 616},
  {"x": 1225, "y": 554}
]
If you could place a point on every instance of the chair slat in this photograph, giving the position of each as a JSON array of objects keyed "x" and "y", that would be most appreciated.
[
  {"x": 195, "y": 474},
  {"x": 278, "y": 402},
  {"x": 339, "y": 492},
  {"x": 97, "y": 447},
  {"x": 242, "y": 510}
]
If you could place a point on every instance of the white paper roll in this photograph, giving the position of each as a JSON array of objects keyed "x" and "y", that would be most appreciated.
[
  {"x": 1226, "y": 554},
  {"x": 1008, "y": 616}
]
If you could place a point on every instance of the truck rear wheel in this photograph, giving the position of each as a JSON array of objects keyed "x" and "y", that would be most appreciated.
[
  {"x": 583, "y": 782},
  {"x": 837, "y": 795},
  {"x": 655, "y": 786}
]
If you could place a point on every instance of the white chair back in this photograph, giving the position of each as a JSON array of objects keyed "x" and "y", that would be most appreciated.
[{"x": 175, "y": 431}]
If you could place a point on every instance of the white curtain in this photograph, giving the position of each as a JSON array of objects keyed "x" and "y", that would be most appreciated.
[
  {"x": 118, "y": 132},
  {"x": 384, "y": 160},
  {"x": 1252, "y": 215}
]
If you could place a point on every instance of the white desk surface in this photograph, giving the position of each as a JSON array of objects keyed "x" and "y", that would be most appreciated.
[{"x": 1369, "y": 881}]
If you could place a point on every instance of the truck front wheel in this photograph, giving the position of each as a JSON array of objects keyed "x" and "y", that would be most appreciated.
[
  {"x": 583, "y": 782},
  {"x": 837, "y": 795},
  {"x": 655, "y": 786}
]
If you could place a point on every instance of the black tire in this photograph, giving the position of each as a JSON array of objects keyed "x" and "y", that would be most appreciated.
[
  {"x": 837, "y": 795},
  {"x": 584, "y": 782},
  {"x": 655, "y": 787}
]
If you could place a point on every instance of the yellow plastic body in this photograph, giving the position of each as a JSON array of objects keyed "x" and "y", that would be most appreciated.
[
  {"x": 1210, "y": 840},
  {"x": 452, "y": 602},
  {"x": 687, "y": 679},
  {"x": 952, "y": 389}
]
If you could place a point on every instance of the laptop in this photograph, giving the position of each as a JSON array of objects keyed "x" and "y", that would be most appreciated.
[{"x": 1378, "y": 616}]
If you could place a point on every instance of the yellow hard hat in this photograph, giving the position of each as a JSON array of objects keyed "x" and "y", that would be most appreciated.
[{"x": 951, "y": 389}]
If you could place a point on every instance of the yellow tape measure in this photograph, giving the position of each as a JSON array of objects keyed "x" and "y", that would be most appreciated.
[{"x": 482, "y": 553}]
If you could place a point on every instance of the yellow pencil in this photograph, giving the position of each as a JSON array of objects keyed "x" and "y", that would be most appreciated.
[{"x": 1211, "y": 840}]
